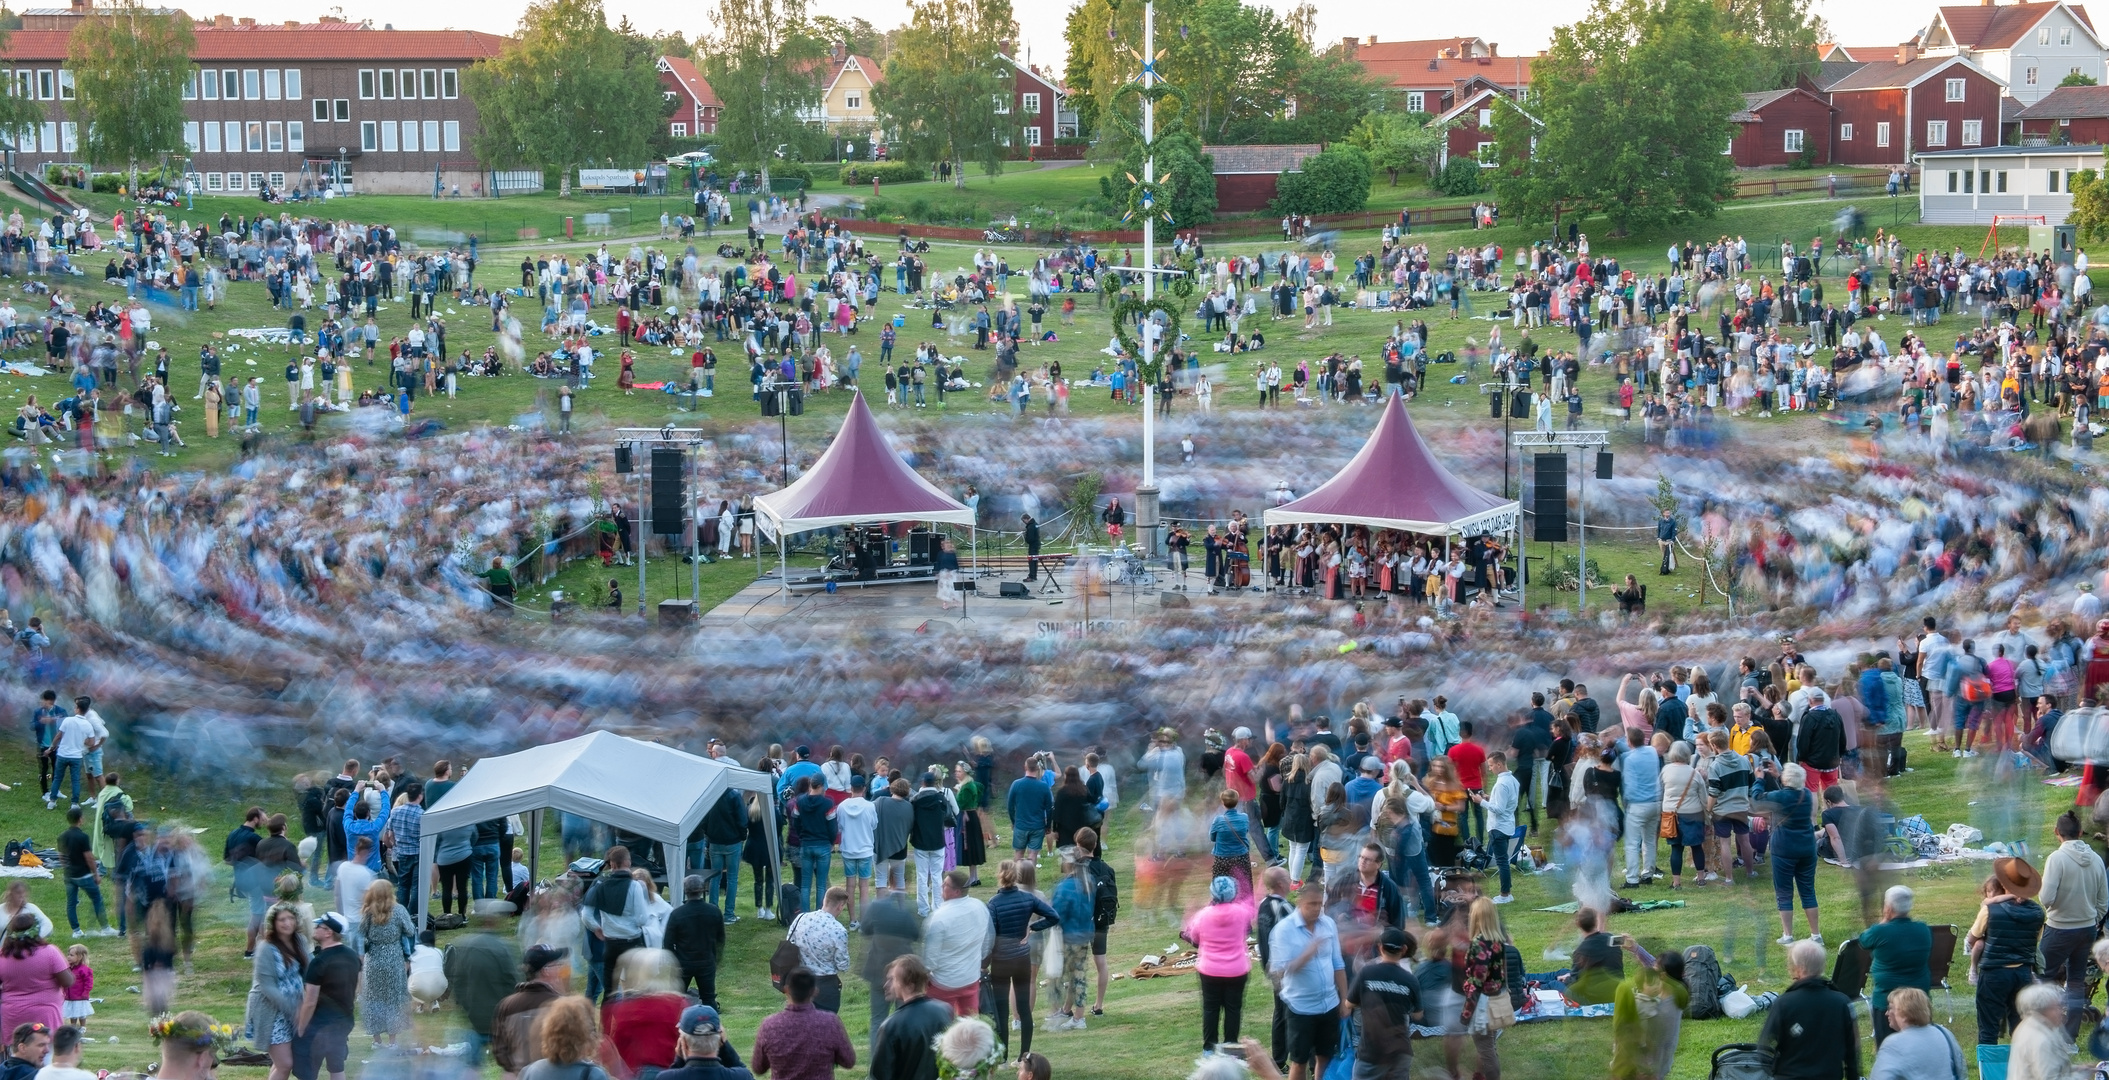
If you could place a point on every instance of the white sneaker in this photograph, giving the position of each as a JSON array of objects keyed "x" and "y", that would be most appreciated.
[
  {"x": 1955, "y": 753},
  {"x": 78, "y": 934},
  {"x": 1817, "y": 938},
  {"x": 1785, "y": 939},
  {"x": 1076, "y": 1023},
  {"x": 1504, "y": 899}
]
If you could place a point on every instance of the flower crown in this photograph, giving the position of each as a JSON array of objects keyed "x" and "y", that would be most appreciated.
[
  {"x": 968, "y": 1050},
  {"x": 212, "y": 1036}
]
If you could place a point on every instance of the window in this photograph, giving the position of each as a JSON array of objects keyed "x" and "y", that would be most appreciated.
[
  {"x": 2043, "y": 35},
  {"x": 852, "y": 99},
  {"x": 431, "y": 135},
  {"x": 1973, "y": 132},
  {"x": 292, "y": 84},
  {"x": 1030, "y": 103},
  {"x": 1486, "y": 119},
  {"x": 1485, "y": 153},
  {"x": 252, "y": 84},
  {"x": 2053, "y": 174},
  {"x": 1955, "y": 89},
  {"x": 231, "y": 84},
  {"x": 2065, "y": 35},
  {"x": 409, "y": 84},
  {"x": 369, "y": 139},
  {"x": 1794, "y": 140},
  {"x": 1730, "y": 148},
  {"x": 450, "y": 135},
  {"x": 1984, "y": 182},
  {"x": 274, "y": 84},
  {"x": 2001, "y": 178},
  {"x": 214, "y": 182},
  {"x": 191, "y": 135},
  {"x": 212, "y": 138},
  {"x": 680, "y": 130},
  {"x": 1936, "y": 133},
  {"x": 190, "y": 85},
  {"x": 278, "y": 180},
  {"x": 388, "y": 140},
  {"x": 256, "y": 181},
  {"x": 428, "y": 83},
  {"x": 322, "y": 110},
  {"x": 47, "y": 85},
  {"x": 1003, "y": 104},
  {"x": 1416, "y": 101},
  {"x": 209, "y": 84},
  {"x": 234, "y": 136},
  {"x": 449, "y": 84},
  {"x": 366, "y": 87},
  {"x": 275, "y": 137},
  {"x": 2029, "y": 77},
  {"x": 409, "y": 136},
  {"x": 69, "y": 137},
  {"x": 1969, "y": 180},
  {"x": 1845, "y": 133},
  {"x": 387, "y": 84},
  {"x": 253, "y": 136},
  {"x": 25, "y": 83},
  {"x": 234, "y": 181},
  {"x": 1881, "y": 133},
  {"x": 65, "y": 85},
  {"x": 343, "y": 108},
  {"x": 296, "y": 136}
]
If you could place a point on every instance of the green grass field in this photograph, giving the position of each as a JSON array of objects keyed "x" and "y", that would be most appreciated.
[{"x": 1151, "y": 1028}]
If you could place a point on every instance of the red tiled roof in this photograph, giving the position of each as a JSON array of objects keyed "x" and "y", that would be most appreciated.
[
  {"x": 1270, "y": 160},
  {"x": 1413, "y": 50},
  {"x": 2000, "y": 26},
  {"x": 309, "y": 41},
  {"x": 684, "y": 72},
  {"x": 1423, "y": 73},
  {"x": 2070, "y": 103}
]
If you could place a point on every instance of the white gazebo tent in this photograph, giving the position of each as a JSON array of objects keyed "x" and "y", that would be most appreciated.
[{"x": 655, "y": 791}]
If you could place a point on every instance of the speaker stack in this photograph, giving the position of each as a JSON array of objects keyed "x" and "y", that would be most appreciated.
[
  {"x": 1549, "y": 499},
  {"x": 1603, "y": 464},
  {"x": 669, "y": 490}
]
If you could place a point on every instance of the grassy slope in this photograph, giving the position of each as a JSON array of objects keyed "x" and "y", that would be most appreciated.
[{"x": 1151, "y": 1027}]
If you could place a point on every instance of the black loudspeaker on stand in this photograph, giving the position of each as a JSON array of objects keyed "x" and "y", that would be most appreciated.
[
  {"x": 668, "y": 490},
  {"x": 1494, "y": 406},
  {"x": 1549, "y": 499},
  {"x": 1015, "y": 589},
  {"x": 623, "y": 463},
  {"x": 1519, "y": 404},
  {"x": 1603, "y": 464}
]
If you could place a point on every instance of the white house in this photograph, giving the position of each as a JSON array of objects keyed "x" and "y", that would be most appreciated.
[
  {"x": 1969, "y": 187},
  {"x": 2030, "y": 47}
]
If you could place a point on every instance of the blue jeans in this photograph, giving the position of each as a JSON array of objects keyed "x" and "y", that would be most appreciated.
[
  {"x": 58, "y": 777},
  {"x": 75, "y": 886},
  {"x": 486, "y": 873},
  {"x": 813, "y": 860},
  {"x": 724, "y": 861},
  {"x": 1501, "y": 846},
  {"x": 1260, "y": 839},
  {"x": 1416, "y": 868}
]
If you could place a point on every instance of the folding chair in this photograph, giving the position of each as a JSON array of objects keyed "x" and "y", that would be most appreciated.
[
  {"x": 1849, "y": 972},
  {"x": 1940, "y": 960}
]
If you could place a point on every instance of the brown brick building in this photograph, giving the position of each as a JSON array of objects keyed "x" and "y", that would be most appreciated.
[{"x": 292, "y": 104}]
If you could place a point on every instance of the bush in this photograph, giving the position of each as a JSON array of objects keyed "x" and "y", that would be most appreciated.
[
  {"x": 1335, "y": 182},
  {"x": 793, "y": 170},
  {"x": 885, "y": 172},
  {"x": 1461, "y": 176},
  {"x": 106, "y": 183}
]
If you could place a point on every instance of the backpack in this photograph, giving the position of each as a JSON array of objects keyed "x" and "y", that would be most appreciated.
[
  {"x": 13, "y": 853},
  {"x": 1702, "y": 977},
  {"x": 1105, "y": 895},
  {"x": 117, "y": 817}
]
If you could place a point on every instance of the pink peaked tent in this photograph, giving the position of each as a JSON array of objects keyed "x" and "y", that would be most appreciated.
[
  {"x": 1396, "y": 483},
  {"x": 858, "y": 479}
]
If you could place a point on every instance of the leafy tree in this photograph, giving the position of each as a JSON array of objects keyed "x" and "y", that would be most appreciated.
[
  {"x": 1461, "y": 176},
  {"x": 2076, "y": 78},
  {"x": 1396, "y": 142},
  {"x": 1334, "y": 182},
  {"x": 567, "y": 91},
  {"x": 1234, "y": 63},
  {"x": 942, "y": 83},
  {"x": 1781, "y": 36},
  {"x": 129, "y": 64},
  {"x": 1186, "y": 180},
  {"x": 2090, "y": 206},
  {"x": 765, "y": 64},
  {"x": 861, "y": 37},
  {"x": 1632, "y": 106}
]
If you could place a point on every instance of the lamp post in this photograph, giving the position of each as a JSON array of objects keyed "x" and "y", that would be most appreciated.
[{"x": 339, "y": 179}]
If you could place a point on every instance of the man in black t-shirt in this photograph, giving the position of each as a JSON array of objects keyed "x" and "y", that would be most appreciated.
[
  {"x": 322, "y": 1035},
  {"x": 77, "y": 850},
  {"x": 1388, "y": 1001}
]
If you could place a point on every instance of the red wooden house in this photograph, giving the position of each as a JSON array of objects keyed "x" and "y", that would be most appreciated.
[
  {"x": 1246, "y": 176},
  {"x": 1889, "y": 110},
  {"x": 1036, "y": 106},
  {"x": 2069, "y": 115},
  {"x": 1468, "y": 125},
  {"x": 696, "y": 104},
  {"x": 1781, "y": 127}
]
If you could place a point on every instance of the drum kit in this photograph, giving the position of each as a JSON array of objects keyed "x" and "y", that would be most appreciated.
[{"x": 1128, "y": 567}]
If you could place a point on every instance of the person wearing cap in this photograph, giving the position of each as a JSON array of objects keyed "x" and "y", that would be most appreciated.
[
  {"x": 2005, "y": 938},
  {"x": 800, "y": 768},
  {"x": 905, "y": 1046},
  {"x": 703, "y": 1052},
  {"x": 1898, "y": 949},
  {"x": 802, "y": 1042},
  {"x": 695, "y": 934},
  {"x": 2075, "y": 898},
  {"x": 1387, "y": 1001},
  {"x": 322, "y": 1032},
  {"x": 1218, "y": 931},
  {"x": 546, "y": 972},
  {"x": 479, "y": 969}
]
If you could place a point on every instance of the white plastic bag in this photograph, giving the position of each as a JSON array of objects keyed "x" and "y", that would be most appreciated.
[
  {"x": 1966, "y": 834},
  {"x": 1051, "y": 956},
  {"x": 1738, "y": 1003}
]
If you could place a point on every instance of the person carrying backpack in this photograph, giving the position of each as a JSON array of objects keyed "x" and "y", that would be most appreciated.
[
  {"x": 1105, "y": 907},
  {"x": 1819, "y": 741},
  {"x": 114, "y": 820}
]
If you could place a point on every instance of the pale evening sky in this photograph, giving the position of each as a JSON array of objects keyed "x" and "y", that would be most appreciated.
[{"x": 1517, "y": 26}]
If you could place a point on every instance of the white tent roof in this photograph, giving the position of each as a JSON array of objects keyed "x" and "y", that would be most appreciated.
[{"x": 640, "y": 787}]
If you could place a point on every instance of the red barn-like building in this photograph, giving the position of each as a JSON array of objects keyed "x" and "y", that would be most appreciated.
[
  {"x": 1468, "y": 126},
  {"x": 1890, "y": 110},
  {"x": 1779, "y": 127},
  {"x": 2069, "y": 115}
]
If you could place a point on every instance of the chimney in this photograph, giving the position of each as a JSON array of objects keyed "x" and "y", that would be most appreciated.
[
  {"x": 1372, "y": 40},
  {"x": 223, "y": 22},
  {"x": 292, "y": 24},
  {"x": 841, "y": 50},
  {"x": 246, "y": 22},
  {"x": 1493, "y": 48},
  {"x": 1347, "y": 47},
  {"x": 80, "y": 7},
  {"x": 1907, "y": 52}
]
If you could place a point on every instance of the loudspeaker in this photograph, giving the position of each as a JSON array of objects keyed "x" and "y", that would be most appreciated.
[
  {"x": 798, "y": 402},
  {"x": 1015, "y": 588},
  {"x": 1519, "y": 404},
  {"x": 768, "y": 403},
  {"x": 1603, "y": 464},
  {"x": 1494, "y": 406},
  {"x": 1549, "y": 499},
  {"x": 677, "y": 612},
  {"x": 623, "y": 463},
  {"x": 922, "y": 548},
  {"x": 668, "y": 490}
]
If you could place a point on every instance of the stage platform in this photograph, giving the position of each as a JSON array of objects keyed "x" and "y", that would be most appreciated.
[{"x": 915, "y": 607}]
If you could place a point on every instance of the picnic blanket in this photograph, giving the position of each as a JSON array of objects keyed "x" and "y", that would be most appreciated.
[
  {"x": 1573, "y": 906},
  {"x": 1181, "y": 962}
]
